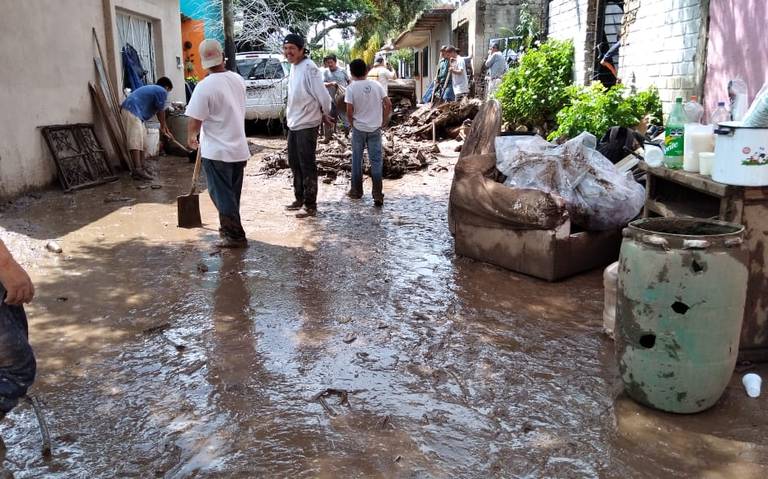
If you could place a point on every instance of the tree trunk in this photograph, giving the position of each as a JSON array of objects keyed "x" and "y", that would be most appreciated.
[{"x": 229, "y": 35}]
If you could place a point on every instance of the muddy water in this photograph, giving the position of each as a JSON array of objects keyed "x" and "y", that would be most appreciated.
[{"x": 163, "y": 357}]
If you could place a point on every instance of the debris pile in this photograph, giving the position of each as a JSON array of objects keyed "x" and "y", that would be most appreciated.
[
  {"x": 449, "y": 120},
  {"x": 401, "y": 155},
  {"x": 406, "y": 145}
]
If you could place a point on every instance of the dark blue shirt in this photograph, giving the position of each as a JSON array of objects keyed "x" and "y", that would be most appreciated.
[{"x": 146, "y": 101}]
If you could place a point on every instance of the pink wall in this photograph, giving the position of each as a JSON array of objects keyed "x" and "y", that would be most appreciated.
[{"x": 737, "y": 48}]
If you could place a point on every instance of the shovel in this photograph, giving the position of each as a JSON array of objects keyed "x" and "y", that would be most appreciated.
[{"x": 189, "y": 205}]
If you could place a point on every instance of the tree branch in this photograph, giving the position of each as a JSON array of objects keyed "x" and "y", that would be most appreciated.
[{"x": 325, "y": 31}]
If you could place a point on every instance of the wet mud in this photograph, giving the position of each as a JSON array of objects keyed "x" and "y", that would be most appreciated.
[{"x": 354, "y": 344}]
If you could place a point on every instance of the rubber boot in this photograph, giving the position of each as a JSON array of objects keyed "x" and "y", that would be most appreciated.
[
  {"x": 378, "y": 193},
  {"x": 356, "y": 190}
]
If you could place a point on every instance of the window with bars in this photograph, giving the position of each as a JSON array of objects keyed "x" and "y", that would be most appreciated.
[{"x": 138, "y": 32}]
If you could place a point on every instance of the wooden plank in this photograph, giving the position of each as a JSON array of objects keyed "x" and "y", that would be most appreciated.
[
  {"x": 755, "y": 194},
  {"x": 669, "y": 209},
  {"x": 110, "y": 93},
  {"x": 120, "y": 146},
  {"x": 694, "y": 181},
  {"x": 113, "y": 93}
]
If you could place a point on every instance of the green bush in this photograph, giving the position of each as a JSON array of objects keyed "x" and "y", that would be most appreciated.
[
  {"x": 595, "y": 109},
  {"x": 533, "y": 92}
]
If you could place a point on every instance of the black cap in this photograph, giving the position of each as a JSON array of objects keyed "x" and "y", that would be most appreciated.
[{"x": 294, "y": 39}]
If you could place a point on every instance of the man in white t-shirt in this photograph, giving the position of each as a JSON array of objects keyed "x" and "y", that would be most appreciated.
[
  {"x": 381, "y": 73},
  {"x": 218, "y": 107},
  {"x": 368, "y": 109},
  {"x": 459, "y": 74}
]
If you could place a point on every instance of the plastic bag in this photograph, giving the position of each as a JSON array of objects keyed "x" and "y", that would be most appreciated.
[
  {"x": 757, "y": 115},
  {"x": 598, "y": 197}
]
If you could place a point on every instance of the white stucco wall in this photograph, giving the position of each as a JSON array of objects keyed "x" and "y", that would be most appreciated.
[
  {"x": 47, "y": 51},
  {"x": 467, "y": 14},
  {"x": 568, "y": 21},
  {"x": 441, "y": 35},
  {"x": 165, "y": 18}
]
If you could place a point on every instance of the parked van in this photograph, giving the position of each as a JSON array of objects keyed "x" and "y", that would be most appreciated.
[{"x": 266, "y": 81}]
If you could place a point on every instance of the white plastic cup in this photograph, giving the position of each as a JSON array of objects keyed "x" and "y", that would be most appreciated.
[
  {"x": 706, "y": 160},
  {"x": 752, "y": 383},
  {"x": 654, "y": 156}
]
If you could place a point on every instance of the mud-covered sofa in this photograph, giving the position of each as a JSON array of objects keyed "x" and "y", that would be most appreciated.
[{"x": 524, "y": 230}]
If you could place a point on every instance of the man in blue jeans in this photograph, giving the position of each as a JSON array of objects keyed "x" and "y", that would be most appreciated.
[
  {"x": 218, "y": 107},
  {"x": 368, "y": 109},
  {"x": 17, "y": 362}
]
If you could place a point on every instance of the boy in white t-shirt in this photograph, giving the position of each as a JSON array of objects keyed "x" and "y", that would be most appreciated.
[
  {"x": 368, "y": 109},
  {"x": 458, "y": 74},
  {"x": 218, "y": 107}
]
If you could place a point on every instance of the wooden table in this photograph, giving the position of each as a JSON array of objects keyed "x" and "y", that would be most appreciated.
[{"x": 679, "y": 193}]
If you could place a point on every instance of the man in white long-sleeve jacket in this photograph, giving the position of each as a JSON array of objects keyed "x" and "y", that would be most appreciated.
[{"x": 309, "y": 105}]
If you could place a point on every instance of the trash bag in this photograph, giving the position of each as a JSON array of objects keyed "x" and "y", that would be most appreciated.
[
  {"x": 617, "y": 141},
  {"x": 757, "y": 115},
  {"x": 597, "y": 196}
]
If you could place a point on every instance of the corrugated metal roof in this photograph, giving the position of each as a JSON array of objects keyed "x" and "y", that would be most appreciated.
[{"x": 417, "y": 35}]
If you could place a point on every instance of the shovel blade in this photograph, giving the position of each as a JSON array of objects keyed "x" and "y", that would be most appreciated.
[{"x": 189, "y": 211}]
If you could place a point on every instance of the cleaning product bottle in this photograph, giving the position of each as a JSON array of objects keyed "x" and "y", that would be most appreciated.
[
  {"x": 674, "y": 139},
  {"x": 693, "y": 110},
  {"x": 720, "y": 115}
]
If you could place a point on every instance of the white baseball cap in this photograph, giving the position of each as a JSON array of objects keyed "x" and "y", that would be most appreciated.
[{"x": 211, "y": 53}]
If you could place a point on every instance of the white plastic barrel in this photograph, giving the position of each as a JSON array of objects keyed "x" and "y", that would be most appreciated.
[{"x": 152, "y": 142}]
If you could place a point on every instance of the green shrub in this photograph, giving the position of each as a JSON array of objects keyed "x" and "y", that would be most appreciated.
[
  {"x": 533, "y": 92},
  {"x": 595, "y": 109}
]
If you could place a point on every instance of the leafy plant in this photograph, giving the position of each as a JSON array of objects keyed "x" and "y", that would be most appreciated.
[
  {"x": 368, "y": 51},
  {"x": 405, "y": 55},
  {"x": 533, "y": 92},
  {"x": 529, "y": 27},
  {"x": 595, "y": 109}
]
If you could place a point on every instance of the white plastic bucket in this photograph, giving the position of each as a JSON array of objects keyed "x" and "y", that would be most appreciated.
[
  {"x": 706, "y": 160},
  {"x": 741, "y": 155},
  {"x": 698, "y": 139},
  {"x": 152, "y": 142}
]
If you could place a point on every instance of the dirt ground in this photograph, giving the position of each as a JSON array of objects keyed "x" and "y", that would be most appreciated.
[{"x": 160, "y": 356}]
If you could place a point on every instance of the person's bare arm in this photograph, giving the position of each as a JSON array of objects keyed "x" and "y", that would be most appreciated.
[
  {"x": 163, "y": 125},
  {"x": 193, "y": 129},
  {"x": 14, "y": 279},
  {"x": 387, "y": 109},
  {"x": 350, "y": 115}
]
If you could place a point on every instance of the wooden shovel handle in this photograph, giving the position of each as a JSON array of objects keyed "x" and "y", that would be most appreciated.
[{"x": 196, "y": 174}]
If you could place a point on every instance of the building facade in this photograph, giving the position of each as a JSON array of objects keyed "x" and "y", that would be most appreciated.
[
  {"x": 683, "y": 47},
  {"x": 470, "y": 25},
  {"x": 49, "y": 50}
]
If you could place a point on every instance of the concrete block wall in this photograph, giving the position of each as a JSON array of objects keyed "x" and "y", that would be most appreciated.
[
  {"x": 486, "y": 19},
  {"x": 568, "y": 20},
  {"x": 660, "y": 46}
]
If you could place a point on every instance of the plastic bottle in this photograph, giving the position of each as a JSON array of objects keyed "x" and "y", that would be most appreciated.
[
  {"x": 720, "y": 115},
  {"x": 674, "y": 139},
  {"x": 693, "y": 110}
]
